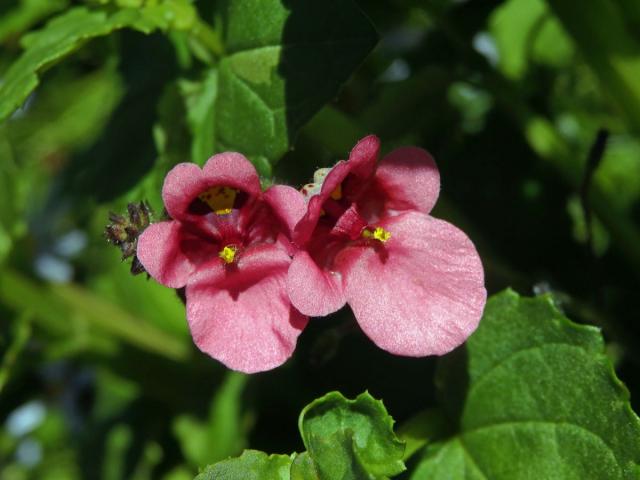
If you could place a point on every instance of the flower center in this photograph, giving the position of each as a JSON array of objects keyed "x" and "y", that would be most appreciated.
[
  {"x": 377, "y": 233},
  {"x": 219, "y": 199},
  {"x": 228, "y": 254}
]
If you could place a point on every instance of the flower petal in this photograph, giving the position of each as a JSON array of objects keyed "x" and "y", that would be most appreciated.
[
  {"x": 409, "y": 180},
  {"x": 242, "y": 316},
  {"x": 313, "y": 291},
  {"x": 304, "y": 229},
  {"x": 363, "y": 156},
  {"x": 287, "y": 203},
  {"x": 232, "y": 169},
  {"x": 422, "y": 292},
  {"x": 186, "y": 181},
  {"x": 160, "y": 253},
  {"x": 183, "y": 183},
  {"x": 361, "y": 163}
]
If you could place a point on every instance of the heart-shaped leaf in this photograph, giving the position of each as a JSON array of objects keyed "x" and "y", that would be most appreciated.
[{"x": 534, "y": 396}]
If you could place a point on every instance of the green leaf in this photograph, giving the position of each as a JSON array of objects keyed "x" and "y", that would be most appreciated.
[
  {"x": 525, "y": 30},
  {"x": 421, "y": 429},
  {"x": 183, "y": 131},
  {"x": 199, "y": 99},
  {"x": 172, "y": 142},
  {"x": 619, "y": 172},
  {"x": 56, "y": 306},
  {"x": 28, "y": 13},
  {"x": 223, "y": 435},
  {"x": 68, "y": 32},
  {"x": 534, "y": 396},
  {"x": 304, "y": 468},
  {"x": 11, "y": 202},
  {"x": 609, "y": 47},
  {"x": 68, "y": 116},
  {"x": 146, "y": 300},
  {"x": 251, "y": 465},
  {"x": 21, "y": 333},
  {"x": 285, "y": 61},
  {"x": 582, "y": 232},
  {"x": 351, "y": 439}
]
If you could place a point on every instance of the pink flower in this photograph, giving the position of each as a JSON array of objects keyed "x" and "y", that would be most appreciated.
[
  {"x": 228, "y": 243},
  {"x": 415, "y": 283}
]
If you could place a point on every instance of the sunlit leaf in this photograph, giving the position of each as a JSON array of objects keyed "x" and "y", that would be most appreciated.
[
  {"x": 526, "y": 31},
  {"x": 28, "y": 13},
  {"x": 534, "y": 396},
  {"x": 284, "y": 61},
  {"x": 68, "y": 32},
  {"x": 251, "y": 465}
]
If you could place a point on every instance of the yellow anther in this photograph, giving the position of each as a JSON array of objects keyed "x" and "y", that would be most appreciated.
[
  {"x": 378, "y": 233},
  {"x": 219, "y": 199},
  {"x": 228, "y": 254},
  {"x": 337, "y": 193}
]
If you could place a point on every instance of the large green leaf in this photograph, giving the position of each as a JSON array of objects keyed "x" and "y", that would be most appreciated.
[
  {"x": 251, "y": 465},
  {"x": 68, "y": 32},
  {"x": 608, "y": 44},
  {"x": 284, "y": 61},
  {"x": 534, "y": 396},
  {"x": 351, "y": 439}
]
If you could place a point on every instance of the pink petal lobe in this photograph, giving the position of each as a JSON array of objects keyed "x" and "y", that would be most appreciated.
[
  {"x": 287, "y": 203},
  {"x": 232, "y": 169},
  {"x": 182, "y": 184},
  {"x": 350, "y": 224},
  {"x": 361, "y": 163},
  {"x": 159, "y": 250},
  {"x": 305, "y": 227},
  {"x": 364, "y": 155},
  {"x": 186, "y": 181},
  {"x": 307, "y": 224},
  {"x": 422, "y": 292},
  {"x": 410, "y": 180},
  {"x": 241, "y": 315},
  {"x": 313, "y": 291}
]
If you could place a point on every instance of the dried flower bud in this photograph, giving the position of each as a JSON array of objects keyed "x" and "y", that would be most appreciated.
[{"x": 124, "y": 232}]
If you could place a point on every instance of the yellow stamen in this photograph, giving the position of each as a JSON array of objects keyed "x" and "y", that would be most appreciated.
[
  {"x": 219, "y": 199},
  {"x": 378, "y": 233},
  {"x": 228, "y": 254},
  {"x": 337, "y": 193}
]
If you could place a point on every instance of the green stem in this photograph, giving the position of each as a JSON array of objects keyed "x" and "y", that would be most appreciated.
[
  {"x": 421, "y": 429},
  {"x": 208, "y": 37},
  {"x": 22, "y": 332},
  {"x": 54, "y": 305}
]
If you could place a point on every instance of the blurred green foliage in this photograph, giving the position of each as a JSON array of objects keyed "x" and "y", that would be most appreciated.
[{"x": 99, "y": 99}]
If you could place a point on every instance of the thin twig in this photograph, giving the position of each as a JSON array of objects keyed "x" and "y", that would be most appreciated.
[{"x": 596, "y": 153}]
